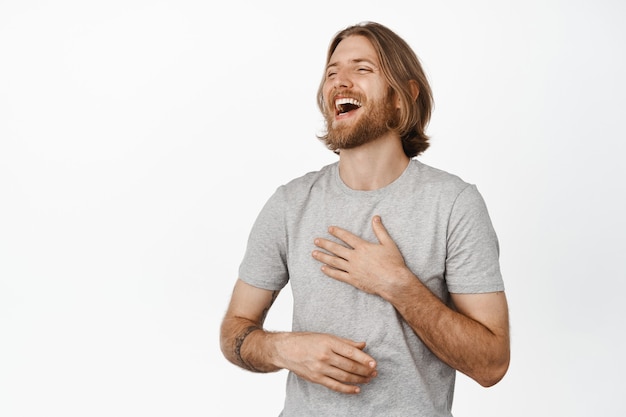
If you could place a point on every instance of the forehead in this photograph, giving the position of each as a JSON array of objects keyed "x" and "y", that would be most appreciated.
[{"x": 353, "y": 49}]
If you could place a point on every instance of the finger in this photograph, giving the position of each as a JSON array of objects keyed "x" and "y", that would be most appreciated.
[
  {"x": 348, "y": 370},
  {"x": 381, "y": 232},
  {"x": 335, "y": 385},
  {"x": 351, "y": 239},
  {"x": 332, "y": 247},
  {"x": 338, "y": 274},
  {"x": 345, "y": 377},
  {"x": 358, "y": 345},
  {"x": 330, "y": 260},
  {"x": 354, "y": 351}
]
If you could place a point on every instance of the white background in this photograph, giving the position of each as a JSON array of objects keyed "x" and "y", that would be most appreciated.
[{"x": 139, "y": 140}]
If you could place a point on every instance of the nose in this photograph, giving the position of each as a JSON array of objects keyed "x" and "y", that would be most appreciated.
[{"x": 342, "y": 79}]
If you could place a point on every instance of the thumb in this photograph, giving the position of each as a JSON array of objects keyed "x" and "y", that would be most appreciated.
[{"x": 381, "y": 232}]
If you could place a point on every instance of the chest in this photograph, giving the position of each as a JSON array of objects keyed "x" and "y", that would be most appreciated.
[{"x": 419, "y": 229}]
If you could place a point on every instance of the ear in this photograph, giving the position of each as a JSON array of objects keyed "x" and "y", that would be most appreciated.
[
  {"x": 415, "y": 92},
  {"x": 415, "y": 89}
]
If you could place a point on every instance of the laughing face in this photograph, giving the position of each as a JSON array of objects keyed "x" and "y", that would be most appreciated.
[{"x": 359, "y": 104}]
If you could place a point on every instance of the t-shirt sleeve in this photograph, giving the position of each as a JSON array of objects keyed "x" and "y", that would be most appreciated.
[
  {"x": 264, "y": 264},
  {"x": 472, "y": 263}
]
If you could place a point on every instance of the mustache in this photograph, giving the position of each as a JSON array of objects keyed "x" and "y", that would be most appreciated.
[{"x": 344, "y": 92}]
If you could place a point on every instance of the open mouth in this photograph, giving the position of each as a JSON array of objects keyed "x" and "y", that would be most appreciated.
[{"x": 345, "y": 105}]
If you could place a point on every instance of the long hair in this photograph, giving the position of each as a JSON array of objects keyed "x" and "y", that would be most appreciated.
[{"x": 399, "y": 65}]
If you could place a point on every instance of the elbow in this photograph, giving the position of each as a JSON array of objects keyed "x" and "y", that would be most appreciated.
[
  {"x": 494, "y": 373},
  {"x": 490, "y": 380},
  {"x": 226, "y": 344},
  {"x": 227, "y": 338},
  {"x": 495, "y": 368},
  {"x": 225, "y": 347}
]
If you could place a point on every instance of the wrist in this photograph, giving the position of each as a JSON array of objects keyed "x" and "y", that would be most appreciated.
[
  {"x": 276, "y": 345},
  {"x": 400, "y": 286}
]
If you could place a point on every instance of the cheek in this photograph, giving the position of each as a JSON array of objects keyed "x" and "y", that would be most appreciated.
[
  {"x": 327, "y": 100},
  {"x": 326, "y": 89}
]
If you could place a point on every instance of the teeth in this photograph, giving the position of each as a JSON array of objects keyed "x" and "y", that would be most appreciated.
[{"x": 342, "y": 101}]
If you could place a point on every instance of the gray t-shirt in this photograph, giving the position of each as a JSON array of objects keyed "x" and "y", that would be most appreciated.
[{"x": 441, "y": 226}]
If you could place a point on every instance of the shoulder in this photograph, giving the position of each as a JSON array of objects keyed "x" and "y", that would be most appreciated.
[
  {"x": 437, "y": 181},
  {"x": 302, "y": 185},
  {"x": 294, "y": 193}
]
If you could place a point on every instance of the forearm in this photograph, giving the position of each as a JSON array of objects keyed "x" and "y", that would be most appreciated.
[
  {"x": 246, "y": 344},
  {"x": 462, "y": 342}
]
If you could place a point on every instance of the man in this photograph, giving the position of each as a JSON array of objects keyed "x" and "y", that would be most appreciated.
[{"x": 393, "y": 264}]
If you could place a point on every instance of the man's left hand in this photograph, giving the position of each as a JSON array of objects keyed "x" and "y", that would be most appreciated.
[{"x": 376, "y": 268}]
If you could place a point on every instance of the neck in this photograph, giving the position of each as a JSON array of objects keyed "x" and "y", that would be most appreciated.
[{"x": 373, "y": 165}]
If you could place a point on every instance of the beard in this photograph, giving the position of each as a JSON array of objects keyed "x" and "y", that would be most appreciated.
[{"x": 378, "y": 118}]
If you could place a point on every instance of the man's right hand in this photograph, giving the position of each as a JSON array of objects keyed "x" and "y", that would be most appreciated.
[{"x": 334, "y": 362}]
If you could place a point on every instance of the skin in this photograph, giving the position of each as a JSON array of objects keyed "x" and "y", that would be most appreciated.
[{"x": 472, "y": 337}]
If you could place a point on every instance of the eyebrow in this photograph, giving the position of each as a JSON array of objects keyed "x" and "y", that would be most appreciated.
[{"x": 353, "y": 62}]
